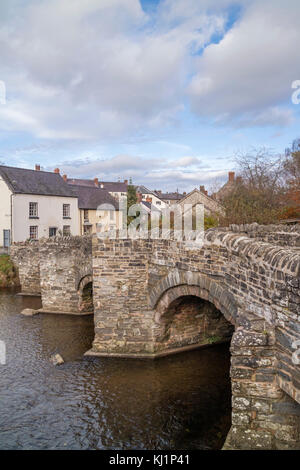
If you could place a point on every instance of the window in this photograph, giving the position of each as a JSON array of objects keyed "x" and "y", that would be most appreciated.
[
  {"x": 111, "y": 215},
  {"x": 52, "y": 231},
  {"x": 33, "y": 209},
  {"x": 87, "y": 229},
  {"x": 66, "y": 211},
  {"x": 66, "y": 230},
  {"x": 33, "y": 232},
  {"x": 158, "y": 203},
  {"x": 86, "y": 215}
]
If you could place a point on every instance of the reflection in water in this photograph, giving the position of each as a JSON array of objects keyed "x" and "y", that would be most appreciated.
[{"x": 178, "y": 402}]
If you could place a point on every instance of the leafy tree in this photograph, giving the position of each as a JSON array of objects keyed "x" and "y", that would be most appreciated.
[{"x": 131, "y": 201}]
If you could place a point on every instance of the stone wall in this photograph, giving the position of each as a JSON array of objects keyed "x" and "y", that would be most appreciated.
[
  {"x": 123, "y": 319},
  {"x": 25, "y": 257},
  {"x": 281, "y": 235}
]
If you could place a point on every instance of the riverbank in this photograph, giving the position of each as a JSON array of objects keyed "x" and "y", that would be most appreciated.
[{"x": 8, "y": 273}]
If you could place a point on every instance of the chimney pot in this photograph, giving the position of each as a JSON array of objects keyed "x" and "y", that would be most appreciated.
[
  {"x": 37, "y": 167},
  {"x": 231, "y": 176},
  {"x": 126, "y": 181},
  {"x": 56, "y": 170},
  {"x": 202, "y": 189},
  {"x": 65, "y": 178},
  {"x": 96, "y": 182}
]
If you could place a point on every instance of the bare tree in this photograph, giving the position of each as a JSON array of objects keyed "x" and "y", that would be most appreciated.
[{"x": 257, "y": 192}]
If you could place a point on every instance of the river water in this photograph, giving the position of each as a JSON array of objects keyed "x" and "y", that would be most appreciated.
[{"x": 178, "y": 402}]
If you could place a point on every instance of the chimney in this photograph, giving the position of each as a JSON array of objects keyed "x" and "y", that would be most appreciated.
[
  {"x": 139, "y": 197},
  {"x": 184, "y": 193},
  {"x": 239, "y": 180},
  {"x": 56, "y": 170},
  {"x": 126, "y": 181},
  {"x": 37, "y": 167},
  {"x": 231, "y": 175},
  {"x": 202, "y": 189},
  {"x": 65, "y": 178},
  {"x": 205, "y": 192},
  {"x": 96, "y": 182},
  {"x": 149, "y": 199}
]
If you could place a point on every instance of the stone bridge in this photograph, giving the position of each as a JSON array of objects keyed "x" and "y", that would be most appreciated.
[{"x": 158, "y": 297}]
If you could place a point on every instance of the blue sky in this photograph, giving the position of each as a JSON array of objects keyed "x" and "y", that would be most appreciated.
[{"x": 164, "y": 91}]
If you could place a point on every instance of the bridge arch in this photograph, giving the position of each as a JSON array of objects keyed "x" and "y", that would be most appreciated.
[
  {"x": 85, "y": 294},
  {"x": 182, "y": 283}
]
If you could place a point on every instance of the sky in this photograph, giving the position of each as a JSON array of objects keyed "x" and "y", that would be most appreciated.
[{"x": 166, "y": 92}]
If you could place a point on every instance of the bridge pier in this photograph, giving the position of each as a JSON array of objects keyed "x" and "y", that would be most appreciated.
[
  {"x": 263, "y": 416},
  {"x": 57, "y": 269}
]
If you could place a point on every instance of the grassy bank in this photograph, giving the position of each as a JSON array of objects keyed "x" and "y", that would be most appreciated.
[{"x": 8, "y": 274}]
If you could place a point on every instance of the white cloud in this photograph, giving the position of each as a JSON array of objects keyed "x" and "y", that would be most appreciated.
[
  {"x": 97, "y": 69},
  {"x": 244, "y": 78},
  {"x": 185, "y": 172}
]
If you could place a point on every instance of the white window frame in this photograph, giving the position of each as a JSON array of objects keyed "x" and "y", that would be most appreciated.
[
  {"x": 35, "y": 229},
  {"x": 66, "y": 211},
  {"x": 33, "y": 209}
]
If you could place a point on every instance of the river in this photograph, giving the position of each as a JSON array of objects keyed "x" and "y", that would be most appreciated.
[{"x": 177, "y": 402}]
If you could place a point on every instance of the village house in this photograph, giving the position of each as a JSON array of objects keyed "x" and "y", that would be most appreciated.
[
  {"x": 151, "y": 197},
  {"x": 116, "y": 189},
  {"x": 227, "y": 187},
  {"x": 98, "y": 210},
  {"x": 147, "y": 206},
  {"x": 170, "y": 198},
  {"x": 200, "y": 196},
  {"x": 35, "y": 204}
]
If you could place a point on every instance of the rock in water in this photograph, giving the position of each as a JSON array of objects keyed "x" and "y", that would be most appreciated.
[
  {"x": 29, "y": 312},
  {"x": 56, "y": 359}
]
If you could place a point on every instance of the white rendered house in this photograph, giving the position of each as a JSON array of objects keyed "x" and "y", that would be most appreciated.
[{"x": 35, "y": 204}]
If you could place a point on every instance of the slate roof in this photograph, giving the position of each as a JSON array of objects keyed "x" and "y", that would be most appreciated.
[
  {"x": 44, "y": 183},
  {"x": 150, "y": 207},
  {"x": 114, "y": 187},
  {"x": 142, "y": 189},
  {"x": 170, "y": 196},
  {"x": 92, "y": 198}
]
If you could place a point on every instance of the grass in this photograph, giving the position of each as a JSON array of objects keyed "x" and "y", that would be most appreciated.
[{"x": 7, "y": 271}]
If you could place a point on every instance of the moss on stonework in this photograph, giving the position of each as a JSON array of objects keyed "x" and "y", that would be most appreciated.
[
  {"x": 8, "y": 274},
  {"x": 213, "y": 339}
]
